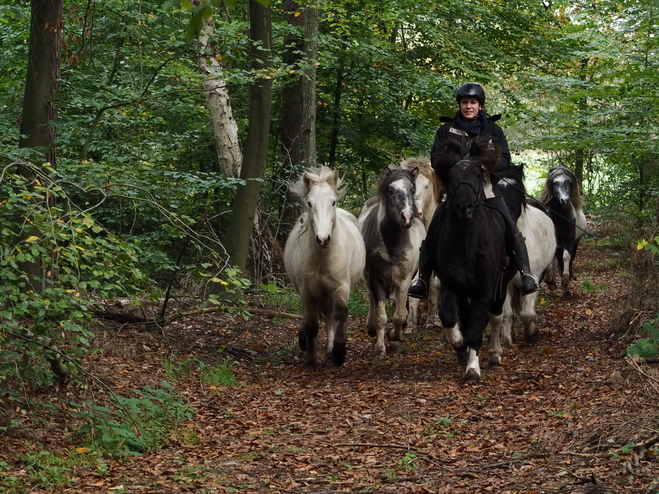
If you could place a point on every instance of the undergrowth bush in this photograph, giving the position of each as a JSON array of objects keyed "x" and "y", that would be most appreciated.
[{"x": 137, "y": 424}]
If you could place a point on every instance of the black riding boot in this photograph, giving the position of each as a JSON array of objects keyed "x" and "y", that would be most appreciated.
[
  {"x": 521, "y": 258},
  {"x": 515, "y": 245},
  {"x": 419, "y": 287}
]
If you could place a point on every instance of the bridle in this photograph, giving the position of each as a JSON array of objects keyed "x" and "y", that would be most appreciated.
[{"x": 478, "y": 193}]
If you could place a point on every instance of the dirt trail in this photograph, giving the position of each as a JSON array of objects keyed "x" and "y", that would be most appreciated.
[{"x": 552, "y": 419}]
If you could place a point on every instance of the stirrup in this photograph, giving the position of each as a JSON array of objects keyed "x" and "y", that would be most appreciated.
[
  {"x": 418, "y": 289},
  {"x": 529, "y": 288}
]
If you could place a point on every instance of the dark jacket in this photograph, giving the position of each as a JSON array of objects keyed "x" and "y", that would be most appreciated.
[{"x": 462, "y": 133}]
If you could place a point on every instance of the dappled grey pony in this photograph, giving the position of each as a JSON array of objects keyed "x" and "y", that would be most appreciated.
[
  {"x": 562, "y": 197},
  {"x": 392, "y": 234},
  {"x": 537, "y": 227},
  {"x": 324, "y": 258}
]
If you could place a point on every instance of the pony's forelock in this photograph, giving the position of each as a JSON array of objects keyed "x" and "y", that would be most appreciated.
[
  {"x": 547, "y": 193},
  {"x": 317, "y": 175}
]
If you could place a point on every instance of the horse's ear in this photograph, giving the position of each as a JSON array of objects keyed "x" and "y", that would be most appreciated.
[
  {"x": 309, "y": 180},
  {"x": 336, "y": 179},
  {"x": 414, "y": 171},
  {"x": 386, "y": 170}
]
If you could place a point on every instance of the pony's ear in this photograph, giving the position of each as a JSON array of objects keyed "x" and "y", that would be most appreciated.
[
  {"x": 386, "y": 170},
  {"x": 335, "y": 179},
  {"x": 309, "y": 180},
  {"x": 414, "y": 171}
]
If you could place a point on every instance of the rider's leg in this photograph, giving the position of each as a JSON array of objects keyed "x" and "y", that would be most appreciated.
[
  {"x": 420, "y": 287},
  {"x": 515, "y": 245}
]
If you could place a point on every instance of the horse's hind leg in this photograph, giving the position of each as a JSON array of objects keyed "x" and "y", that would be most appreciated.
[{"x": 496, "y": 323}]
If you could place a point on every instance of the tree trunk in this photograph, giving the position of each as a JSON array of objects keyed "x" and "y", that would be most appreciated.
[
  {"x": 39, "y": 114},
  {"x": 256, "y": 144},
  {"x": 298, "y": 110},
  {"x": 223, "y": 125},
  {"x": 338, "y": 92},
  {"x": 42, "y": 81}
]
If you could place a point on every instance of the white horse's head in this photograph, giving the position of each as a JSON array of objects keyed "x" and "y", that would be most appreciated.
[{"x": 320, "y": 189}]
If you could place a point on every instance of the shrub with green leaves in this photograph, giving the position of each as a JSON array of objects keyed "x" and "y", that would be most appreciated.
[
  {"x": 54, "y": 259},
  {"x": 137, "y": 424},
  {"x": 648, "y": 345}
]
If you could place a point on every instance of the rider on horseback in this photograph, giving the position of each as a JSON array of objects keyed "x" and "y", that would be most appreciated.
[{"x": 471, "y": 122}]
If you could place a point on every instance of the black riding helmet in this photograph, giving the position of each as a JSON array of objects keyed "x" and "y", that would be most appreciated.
[{"x": 471, "y": 89}]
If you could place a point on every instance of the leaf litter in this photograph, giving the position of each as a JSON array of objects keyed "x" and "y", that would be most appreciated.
[{"x": 556, "y": 417}]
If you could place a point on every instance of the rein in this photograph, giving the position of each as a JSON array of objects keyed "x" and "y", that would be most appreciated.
[{"x": 531, "y": 197}]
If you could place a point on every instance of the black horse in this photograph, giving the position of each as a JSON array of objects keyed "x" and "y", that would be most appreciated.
[
  {"x": 562, "y": 197},
  {"x": 470, "y": 257}
]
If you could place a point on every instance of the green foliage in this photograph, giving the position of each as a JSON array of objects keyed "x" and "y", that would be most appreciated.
[
  {"x": 137, "y": 424},
  {"x": 53, "y": 258},
  {"x": 218, "y": 375},
  {"x": 648, "y": 345}
]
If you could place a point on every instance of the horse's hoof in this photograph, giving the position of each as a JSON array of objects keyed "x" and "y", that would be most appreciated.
[
  {"x": 533, "y": 337},
  {"x": 309, "y": 366},
  {"x": 393, "y": 335},
  {"x": 463, "y": 358},
  {"x": 338, "y": 355},
  {"x": 378, "y": 355},
  {"x": 408, "y": 330},
  {"x": 494, "y": 360},
  {"x": 471, "y": 377}
]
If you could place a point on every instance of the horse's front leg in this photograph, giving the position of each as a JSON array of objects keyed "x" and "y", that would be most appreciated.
[
  {"x": 529, "y": 316},
  {"x": 479, "y": 311},
  {"x": 550, "y": 274},
  {"x": 336, "y": 328},
  {"x": 308, "y": 334}
]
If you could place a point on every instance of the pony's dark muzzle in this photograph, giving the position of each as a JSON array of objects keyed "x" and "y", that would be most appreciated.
[{"x": 323, "y": 243}]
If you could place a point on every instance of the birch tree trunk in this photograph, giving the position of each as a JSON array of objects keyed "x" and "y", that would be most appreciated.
[{"x": 223, "y": 125}]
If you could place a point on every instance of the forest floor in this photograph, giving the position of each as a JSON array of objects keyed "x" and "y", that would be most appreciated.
[{"x": 559, "y": 416}]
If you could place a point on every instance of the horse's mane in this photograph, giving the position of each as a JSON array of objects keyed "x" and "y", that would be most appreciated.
[
  {"x": 423, "y": 164},
  {"x": 483, "y": 152},
  {"x": 547, "y": 193},
  {"x": 314, "y": 176}
]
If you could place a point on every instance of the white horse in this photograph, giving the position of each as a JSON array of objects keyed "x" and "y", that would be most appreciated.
[
  {"x": 428, "y": 193},
  {"x": 392, "y": 233},
  {"x": 538, "y": 230},
  {"x": 562, "y": 197},
  {"x": 324, "y": 258}
]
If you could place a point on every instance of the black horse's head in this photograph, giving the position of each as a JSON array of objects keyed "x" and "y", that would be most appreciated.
[{"x": 463, "y": 175}]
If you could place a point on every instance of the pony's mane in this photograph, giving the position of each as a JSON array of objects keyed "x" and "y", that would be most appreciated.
[
  {"x": 547, "y": 193},
  {"x": 315, "y": 176},
  {"x": 483, "y": 152},
  {"x": 425, "y": 169}
]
